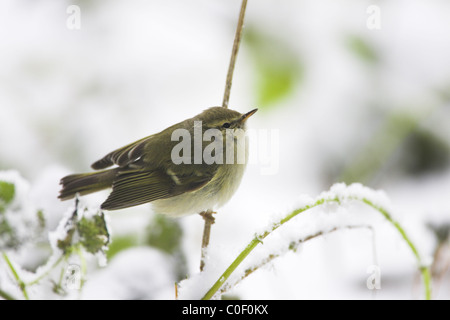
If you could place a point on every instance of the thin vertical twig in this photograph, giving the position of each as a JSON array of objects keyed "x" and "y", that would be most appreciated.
[
  {"x": 234, "y": 52},
  {"x": 209, "y": 221},
  {"x": 207, "y": 215}
]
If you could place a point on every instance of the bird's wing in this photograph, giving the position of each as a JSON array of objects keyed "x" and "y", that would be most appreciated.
[
  {"x": 138, "y": 186},
  {"x": 122, "y": 156}
]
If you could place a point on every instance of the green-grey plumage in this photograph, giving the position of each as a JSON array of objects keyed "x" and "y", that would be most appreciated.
[
  {"x": 145, "y": 171},
  {"x": 86, "y": 183}
]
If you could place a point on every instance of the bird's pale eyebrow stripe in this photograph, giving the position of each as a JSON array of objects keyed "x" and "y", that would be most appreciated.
[{"x": 173, "y": 176}]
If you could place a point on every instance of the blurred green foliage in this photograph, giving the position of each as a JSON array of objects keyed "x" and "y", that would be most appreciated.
[
  {"x": 162, "y": 233},
  {"x": 362, "y": 49},
  {"x": 93, "y": 232},
  {"x": 7, "y": 234},
  {"x": 11, "y": 217},
  {"x": 166, "y": 234},
  {"x": 8, "y": 238},
  {"x": 441, "y": 232},
  {"x": 277, "y": 68},
  {"x": 403, "y": 146},
  {"x": 121, "y": 243},
  {"x": 66, "y": 244},
  {"x": 424, "y": 152},
  {"x": 7, "y": 192},
  {"x": 41, "y": 218},
  {"x": 368, "y": 161}
]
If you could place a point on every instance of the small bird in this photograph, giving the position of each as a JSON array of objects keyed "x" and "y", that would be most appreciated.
[{"x": 199, "y": 173}]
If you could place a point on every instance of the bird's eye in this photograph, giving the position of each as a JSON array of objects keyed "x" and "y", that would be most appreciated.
[{"x": 226, "y": 125}]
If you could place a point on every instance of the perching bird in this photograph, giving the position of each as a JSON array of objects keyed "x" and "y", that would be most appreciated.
[{"x": 201, "y": 172}]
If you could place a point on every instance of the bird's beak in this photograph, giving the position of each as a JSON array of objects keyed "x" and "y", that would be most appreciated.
[{"x": 248, "y": 115}]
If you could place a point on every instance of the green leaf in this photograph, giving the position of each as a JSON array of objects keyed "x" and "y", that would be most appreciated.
[
  {"x": 93, "y": 232},
  {"x": 7, "y": 192},
  {"x": 276, "y": 67},
  {"x": 274, "y": 83},
  {"x": 66, "y": 244},
  {"x": 8, "y": 238}
]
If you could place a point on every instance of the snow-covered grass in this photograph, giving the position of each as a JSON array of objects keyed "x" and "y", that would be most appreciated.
[
  {"x": 320, "y": 223},
  {"x": 83, "y": 233}
]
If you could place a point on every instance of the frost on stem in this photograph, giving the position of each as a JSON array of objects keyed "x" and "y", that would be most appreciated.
[{"x": 337, "y": 199}]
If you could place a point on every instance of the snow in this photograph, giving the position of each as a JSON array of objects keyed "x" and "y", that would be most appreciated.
[
  {"x": 346, "y": 214},
  {"x": 20, "y": 213},
  {"x": 21, "y": 216},
  {"x": 136, "y": 274}
]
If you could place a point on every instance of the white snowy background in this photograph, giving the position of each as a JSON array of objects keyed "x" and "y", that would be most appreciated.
[{"x": 68, "y": 97}]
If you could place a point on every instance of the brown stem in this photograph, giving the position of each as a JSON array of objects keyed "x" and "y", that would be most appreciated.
[
  {"x": 207, "y": 215},
  {"x": 209, "y": 221},
  {"x": 237, "y": 41}
]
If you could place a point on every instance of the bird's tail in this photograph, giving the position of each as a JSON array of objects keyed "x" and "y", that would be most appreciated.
[{"x": 86, "y": 183}]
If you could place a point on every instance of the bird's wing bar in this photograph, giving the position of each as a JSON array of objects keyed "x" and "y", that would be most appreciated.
[{"x": 122, "y": 156}]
